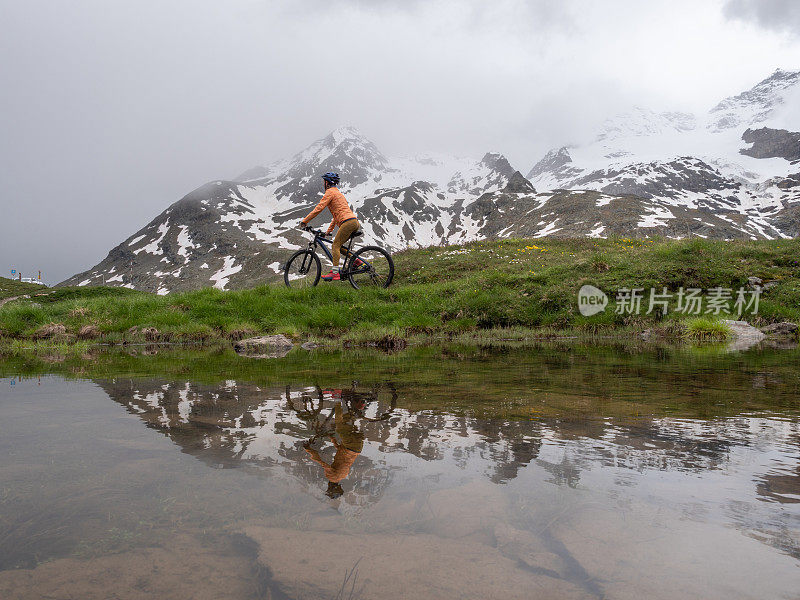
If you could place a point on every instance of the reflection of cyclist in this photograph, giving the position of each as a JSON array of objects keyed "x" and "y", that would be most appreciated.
[
  {"x": 348, "y": 440},
  {"x": 342, "y": 216}
]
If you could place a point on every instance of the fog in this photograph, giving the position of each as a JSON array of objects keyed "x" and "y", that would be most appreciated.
[{"x": 112, "y": 110}]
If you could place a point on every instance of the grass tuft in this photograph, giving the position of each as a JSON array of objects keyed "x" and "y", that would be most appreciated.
[{"x": 707, "y": 329}]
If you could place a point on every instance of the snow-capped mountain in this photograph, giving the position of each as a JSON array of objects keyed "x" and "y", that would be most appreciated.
[
  {"x": 733, "y": 172},
  {"x": 761, "y": 103},
  {"x": 240, "y": 232},
  {"x": 738, "y": 161}
]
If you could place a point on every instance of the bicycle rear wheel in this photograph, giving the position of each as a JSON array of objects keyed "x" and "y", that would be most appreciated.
[
  {"x": 302, "y": 270},
  {"x": 370, "y": 266}
]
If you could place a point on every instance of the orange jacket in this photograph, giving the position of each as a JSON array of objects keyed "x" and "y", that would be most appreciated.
[{"x": 336, "y": 202}]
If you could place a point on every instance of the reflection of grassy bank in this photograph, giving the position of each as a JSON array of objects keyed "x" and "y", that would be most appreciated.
[
  {"x": 501, "y": 286},
  {"x": 559, "y": 379}
]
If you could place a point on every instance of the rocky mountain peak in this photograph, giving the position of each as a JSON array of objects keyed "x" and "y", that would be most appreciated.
[
  {"x": 492, "y": 173},
  {"x": 497, "y": 162},
  {"x": 343, "y": 150},
  {"x": 551, "y": 162},
  {"x": 517, "y": 184},
  {"x": 781, "y": 76},
  {"x": 756, "y": 104},
  {"x": 347, "y": 134}
]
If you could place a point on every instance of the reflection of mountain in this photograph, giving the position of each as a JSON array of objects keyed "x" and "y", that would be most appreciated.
[
  {"x": 243, "y": 425},
  {"x": 781, "y": 487}
]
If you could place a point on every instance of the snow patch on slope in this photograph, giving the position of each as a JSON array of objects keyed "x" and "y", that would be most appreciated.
[
  {"x": 154, "y": 247},
  {"x": 220, "y": 278}
]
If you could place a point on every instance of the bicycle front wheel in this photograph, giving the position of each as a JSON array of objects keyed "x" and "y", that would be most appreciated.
[
  {"x": 302, "y": 270},
  {"x": 371, "y": 266}
]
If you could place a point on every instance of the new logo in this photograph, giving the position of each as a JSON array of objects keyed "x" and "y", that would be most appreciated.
[{"x": 591, "y": 300}]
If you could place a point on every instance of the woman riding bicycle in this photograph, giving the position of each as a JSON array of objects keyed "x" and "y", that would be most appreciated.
[{"x": 343, "y": 217}]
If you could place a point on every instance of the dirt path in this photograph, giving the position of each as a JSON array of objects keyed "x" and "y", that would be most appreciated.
[{"x": 5, "y": 300}]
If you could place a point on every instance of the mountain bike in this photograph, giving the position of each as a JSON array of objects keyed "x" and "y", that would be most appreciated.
[
  {"x": 369, "y": 266},
  {"x": 370, "y": 406}
]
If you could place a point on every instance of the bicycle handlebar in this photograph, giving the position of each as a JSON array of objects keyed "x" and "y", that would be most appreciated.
[{"x": 318, "y": 232}]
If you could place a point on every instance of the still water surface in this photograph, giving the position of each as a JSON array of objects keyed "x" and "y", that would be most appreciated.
[{"x": 537, "y": 473}]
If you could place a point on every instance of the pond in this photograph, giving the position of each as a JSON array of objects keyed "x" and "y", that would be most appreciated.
[{"x": 562, "y": 471}]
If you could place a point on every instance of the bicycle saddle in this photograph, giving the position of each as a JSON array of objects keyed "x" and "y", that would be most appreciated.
[{"x": 357, "y": 234}]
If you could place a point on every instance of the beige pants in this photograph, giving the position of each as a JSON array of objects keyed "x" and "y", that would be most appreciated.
[{"x": 347, "y": 229}]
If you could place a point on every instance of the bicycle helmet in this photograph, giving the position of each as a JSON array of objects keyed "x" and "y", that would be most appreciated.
[{"x": 332, "y": 178}]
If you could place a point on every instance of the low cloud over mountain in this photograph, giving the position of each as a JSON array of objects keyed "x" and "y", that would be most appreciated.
[{"x": 730, "y": 173}]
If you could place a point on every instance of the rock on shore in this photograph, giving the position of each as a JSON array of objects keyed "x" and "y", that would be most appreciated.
[
  {"x": 785, "y": 329},
  {"x": 745, "y": 335},
  {"x": 265, "y": 346}
]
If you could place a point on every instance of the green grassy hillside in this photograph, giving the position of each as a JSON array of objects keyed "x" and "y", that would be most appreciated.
[
  {"x": 12, "y": 287},
  {"x": 456, "y": 290}
]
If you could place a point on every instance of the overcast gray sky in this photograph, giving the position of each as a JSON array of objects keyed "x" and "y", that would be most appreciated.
[{"x": 113, "y": 109}]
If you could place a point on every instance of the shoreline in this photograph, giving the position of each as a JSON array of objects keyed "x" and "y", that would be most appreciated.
[
  {"x": 673, "y": 336},
  {"x": 483, "y": 292}
]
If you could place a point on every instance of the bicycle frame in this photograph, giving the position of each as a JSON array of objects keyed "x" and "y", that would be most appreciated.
[
  {"x": 322, "y": 429},
  {"x": 320, "y": 241},
  {"x": 346, "y": 251}
]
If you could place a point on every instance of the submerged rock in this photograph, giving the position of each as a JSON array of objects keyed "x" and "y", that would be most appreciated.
[
  {"x": 265, "y": 346},
  {"x": 388, "y": 565}
]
